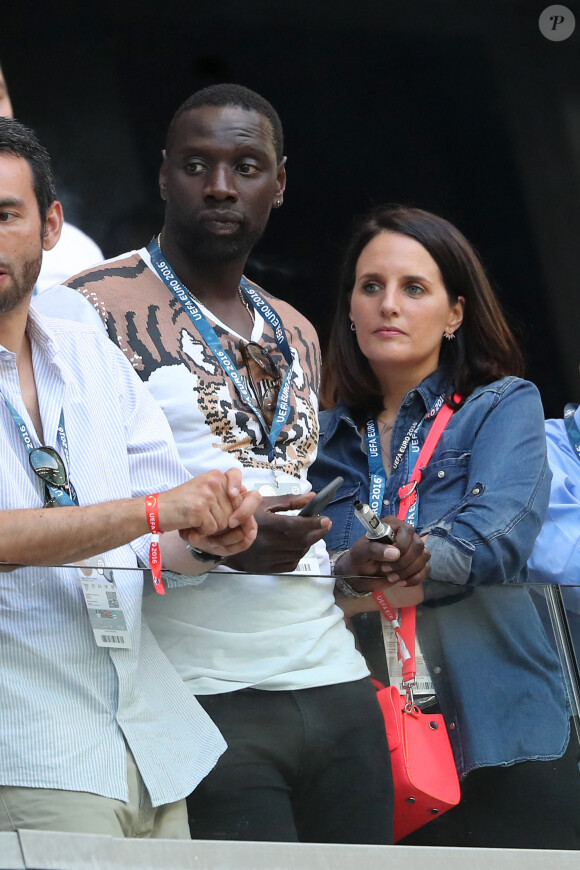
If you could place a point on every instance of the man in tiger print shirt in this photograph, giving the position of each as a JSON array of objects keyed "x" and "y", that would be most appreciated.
[{"x": 267, "y": 654}]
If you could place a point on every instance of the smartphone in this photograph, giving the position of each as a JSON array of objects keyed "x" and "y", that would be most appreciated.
[{"x": 322, "y": 498}]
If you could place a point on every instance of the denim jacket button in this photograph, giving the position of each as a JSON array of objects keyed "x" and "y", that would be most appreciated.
[
  {"x": 437, "y": 670},
  {"x": 475, "y": 490},
  {"x": 386, "y": 501},
  {"x": 440, "y": 474}
]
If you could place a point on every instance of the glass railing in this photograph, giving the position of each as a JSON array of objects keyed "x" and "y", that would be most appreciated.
[{"x": 484, "y": 649}]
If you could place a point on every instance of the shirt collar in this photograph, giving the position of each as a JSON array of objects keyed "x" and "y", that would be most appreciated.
[
  {"x": 435, "y": 385},
  {"x": 39, "y": 336}
]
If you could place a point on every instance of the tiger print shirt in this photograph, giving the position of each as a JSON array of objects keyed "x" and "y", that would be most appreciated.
[
  {"x": 230, "y": 631},
  {"x": 154, "y": 331}
]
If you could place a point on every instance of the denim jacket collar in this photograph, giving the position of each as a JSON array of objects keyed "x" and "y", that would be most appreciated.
[{"x": 416, "y": 403}]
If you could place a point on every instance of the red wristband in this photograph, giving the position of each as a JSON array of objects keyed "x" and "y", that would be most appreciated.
[{"x": 152, "y": 511}]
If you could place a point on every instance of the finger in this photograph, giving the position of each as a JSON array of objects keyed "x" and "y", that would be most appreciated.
[
  {"x": 384, "y": 553},
  {"x": 418, "y": 577},
  {"x": 404, "y": 537},
  {"x": 207, "y": 505},
  {"x": 247, "y": 508},
  {"x": 413, "y": 561},
  {"x": 317, "y": 534},
  {"x": 291, "y": 502},
  {"x": 218, "y": 512},
  {"x": 225, "y": 543},
  {"x": 415, "y": 550},
  {"x": 234, "y": 485},
  {"x": 289, "y": 525}
]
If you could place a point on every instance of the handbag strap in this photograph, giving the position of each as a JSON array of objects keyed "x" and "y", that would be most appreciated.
[{"x": 406, "y": 628}]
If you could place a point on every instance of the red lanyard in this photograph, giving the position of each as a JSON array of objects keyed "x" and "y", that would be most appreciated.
[
  {"x": 405, "y": 628},
  {"x": 152, "y": 510}
]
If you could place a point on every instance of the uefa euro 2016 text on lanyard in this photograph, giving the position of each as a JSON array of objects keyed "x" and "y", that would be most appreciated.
[
  {"x": 408, "y": 509},
  {"x": 62, "y": 498},
  {"x": 206, "y": 331}
]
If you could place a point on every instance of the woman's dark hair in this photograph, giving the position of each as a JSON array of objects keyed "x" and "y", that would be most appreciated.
[{"x": 485, "y": 348}]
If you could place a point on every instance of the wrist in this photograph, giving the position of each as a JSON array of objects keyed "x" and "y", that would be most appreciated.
[
  {"x": 338, "y": 562},
  {"x": 346, "y": 589}
]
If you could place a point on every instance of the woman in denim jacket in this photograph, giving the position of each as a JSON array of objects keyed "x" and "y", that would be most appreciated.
[{"x": 417, "y": 323}]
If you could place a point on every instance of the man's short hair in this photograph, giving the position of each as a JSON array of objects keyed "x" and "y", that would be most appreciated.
[
  {"x": 20, "y": 141},
  {"x": 235, "y": 95}
]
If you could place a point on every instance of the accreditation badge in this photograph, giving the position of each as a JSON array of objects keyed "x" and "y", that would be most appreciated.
[
  {"x": 423, "y": 683},
  {"x": 102, "y": 601}
]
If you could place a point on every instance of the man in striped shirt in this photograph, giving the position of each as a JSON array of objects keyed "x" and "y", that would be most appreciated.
[{"x": 97, "y": 731}]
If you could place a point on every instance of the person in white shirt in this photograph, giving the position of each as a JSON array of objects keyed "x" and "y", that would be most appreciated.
[
  {"x": 75, "y": 250},
  {"x": 99, "y": 733},
  {"x": 236, "y": 372}
]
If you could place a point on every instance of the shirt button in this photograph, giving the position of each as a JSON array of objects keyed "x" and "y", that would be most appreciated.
[
  {"x": 440, "y": 474},
  {"x": 437, "y": 670},
  {"x": 475, "y": 490},
  {"x": 386, "y": 501},
  {"x": 412, "y": 394}
]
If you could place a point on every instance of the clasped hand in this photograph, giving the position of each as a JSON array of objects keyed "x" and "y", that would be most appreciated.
[{"x": 213, "y": 512}]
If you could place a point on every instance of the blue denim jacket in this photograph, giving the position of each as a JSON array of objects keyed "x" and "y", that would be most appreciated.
[{"x": 482, "y": 500}]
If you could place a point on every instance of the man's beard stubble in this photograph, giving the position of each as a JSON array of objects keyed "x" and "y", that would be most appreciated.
[
  {"x": 212, "y": 249},
  {"x": 22, "y": 284}
]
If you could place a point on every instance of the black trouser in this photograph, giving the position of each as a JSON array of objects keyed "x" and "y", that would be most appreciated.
[{"x": 311, "y": 765}]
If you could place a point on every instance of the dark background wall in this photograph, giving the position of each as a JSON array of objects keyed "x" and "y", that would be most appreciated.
[{"x": 458, "y": 106}]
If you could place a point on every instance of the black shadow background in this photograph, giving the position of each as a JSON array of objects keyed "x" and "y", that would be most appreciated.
[{"x": 458, "y": 107}]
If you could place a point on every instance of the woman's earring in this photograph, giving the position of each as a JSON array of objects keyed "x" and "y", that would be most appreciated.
[
  {"x": 278, "y": 203},
  {"x": 449, "y": 336},
  {"x": 352, "y": 326}
]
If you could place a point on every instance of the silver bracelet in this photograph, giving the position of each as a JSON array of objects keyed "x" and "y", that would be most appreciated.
[
  {"x": 347, "y": 590},
  {"x": 334, "y": 559}
]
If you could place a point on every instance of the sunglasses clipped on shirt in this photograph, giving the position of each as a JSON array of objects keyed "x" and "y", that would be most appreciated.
[
  {"x": 266, "y": 390},
  {"x": 48, "y": 465}
]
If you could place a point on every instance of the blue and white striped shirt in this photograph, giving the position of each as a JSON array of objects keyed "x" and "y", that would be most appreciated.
[{"x": 66, "y": 705}]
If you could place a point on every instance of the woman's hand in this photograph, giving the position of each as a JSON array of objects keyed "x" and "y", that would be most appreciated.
[
  {"x": 405, "y": 563},
  {"x": 397, "y": 596}
]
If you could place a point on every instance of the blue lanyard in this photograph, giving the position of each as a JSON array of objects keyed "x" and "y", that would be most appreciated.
[
  {"x": 199, "y": 320},
  {"x": 572, "y": 428},
  {"x": 62, "y": 498},
  {"x": 377, "y": 474}
]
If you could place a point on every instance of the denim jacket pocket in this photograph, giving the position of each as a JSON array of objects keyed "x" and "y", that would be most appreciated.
[{"x": 444, "y": 491}]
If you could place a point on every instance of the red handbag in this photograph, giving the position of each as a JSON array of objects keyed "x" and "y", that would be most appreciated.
[{"x": 424, "y": 772}]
